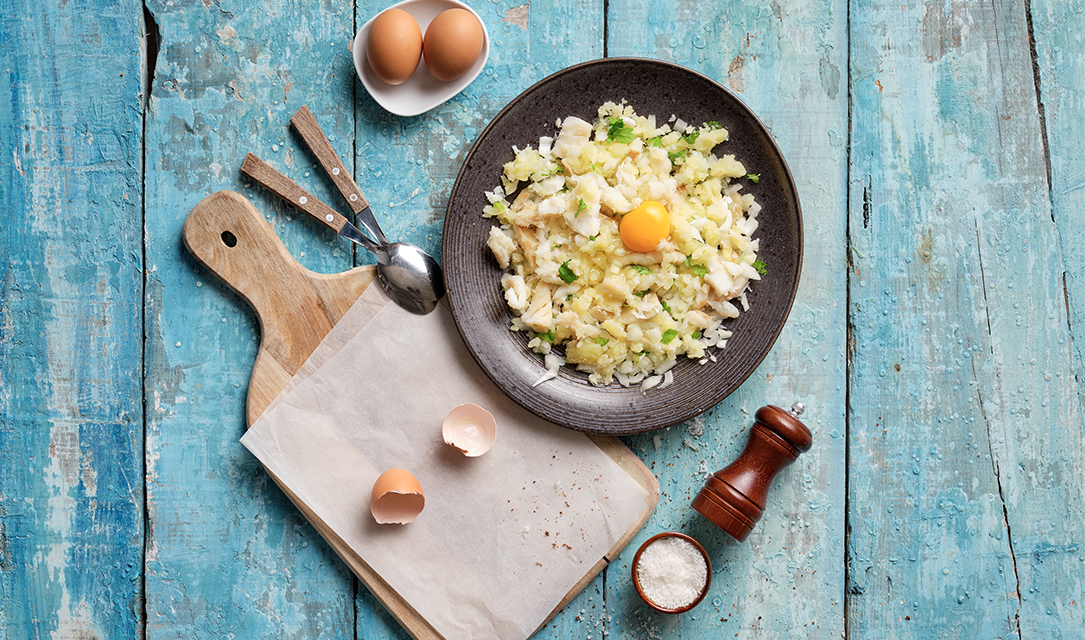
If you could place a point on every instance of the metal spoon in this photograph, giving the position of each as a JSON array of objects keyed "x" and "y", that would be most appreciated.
[{"x": 412, "y": 278}]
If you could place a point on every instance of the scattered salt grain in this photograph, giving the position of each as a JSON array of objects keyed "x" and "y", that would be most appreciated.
[{"x": 672, "y": 572}]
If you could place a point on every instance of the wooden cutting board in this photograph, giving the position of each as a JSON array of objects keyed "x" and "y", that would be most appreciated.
[{"x": 297, "y": 308}]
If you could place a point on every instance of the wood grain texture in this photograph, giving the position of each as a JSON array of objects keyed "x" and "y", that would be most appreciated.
[
  {"x": 1059, "y": 31},
  {"x": 271, "y": 179},
  {"x": 71, "y": 490},
  {"x": 964, "y": 401},
  {"x": 788, "y": 63},
  {"x": 304, "y": 123},
  {"x": 948, "y": 250},
  {"x": 227, "y": 554},
  {"x": 296, "y": 307}
]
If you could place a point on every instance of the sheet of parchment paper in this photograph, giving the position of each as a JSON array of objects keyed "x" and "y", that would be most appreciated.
[{"x": 503, "y": 537}]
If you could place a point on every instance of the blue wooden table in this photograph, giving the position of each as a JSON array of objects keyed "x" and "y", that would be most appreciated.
[{"x": 939, "y": 152}]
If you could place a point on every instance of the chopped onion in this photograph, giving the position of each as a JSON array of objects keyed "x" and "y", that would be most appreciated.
[
  {"x": 650, "y": 382},
  {"x": 553, "y": 363}
]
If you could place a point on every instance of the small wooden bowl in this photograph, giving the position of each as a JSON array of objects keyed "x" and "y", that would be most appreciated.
[{"x": 636, "y": 576}]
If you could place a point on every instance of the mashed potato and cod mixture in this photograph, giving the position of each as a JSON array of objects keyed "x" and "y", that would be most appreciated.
[{"x": 628, "y": 244}]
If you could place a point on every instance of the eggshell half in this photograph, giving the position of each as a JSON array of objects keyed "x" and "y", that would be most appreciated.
[
  {"x": 397, "y": 497},
  {"x": 471, "y": 429}
]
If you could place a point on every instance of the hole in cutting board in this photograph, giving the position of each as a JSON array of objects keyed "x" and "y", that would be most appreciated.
[{"x": 229, "y": 239}]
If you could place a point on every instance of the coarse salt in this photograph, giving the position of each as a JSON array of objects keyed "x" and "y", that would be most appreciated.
[{"x": 672, "y": 572}]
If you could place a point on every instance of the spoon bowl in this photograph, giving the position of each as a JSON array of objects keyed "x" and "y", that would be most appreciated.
[{"x": 412, "y": 278}]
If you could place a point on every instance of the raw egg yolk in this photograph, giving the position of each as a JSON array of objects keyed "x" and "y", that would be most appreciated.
[{"x": 643, "y": 227}]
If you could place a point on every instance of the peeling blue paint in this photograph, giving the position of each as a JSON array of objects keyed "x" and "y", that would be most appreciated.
[
  {"x": 932, "y": 338},
  {"x": 71, "y": 490}
]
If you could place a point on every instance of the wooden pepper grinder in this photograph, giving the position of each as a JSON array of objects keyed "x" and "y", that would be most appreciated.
[{"x": 734, "y": 497}]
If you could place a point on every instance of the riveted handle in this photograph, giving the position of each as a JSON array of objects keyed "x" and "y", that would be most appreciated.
[
  {"x": 307, "y": 127},
  {"x": 288, "y": 190}
]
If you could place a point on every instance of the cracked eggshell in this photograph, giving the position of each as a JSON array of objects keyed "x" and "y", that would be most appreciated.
[
  {"x": 397, "y": 497},
  {"x": 471, "y": 429}
]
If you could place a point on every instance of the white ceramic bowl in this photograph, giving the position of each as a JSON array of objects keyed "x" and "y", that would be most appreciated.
[{"x": 421, "y": 92}]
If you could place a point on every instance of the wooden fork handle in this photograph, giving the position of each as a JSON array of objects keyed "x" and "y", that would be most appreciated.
[{"x": 289, "y": 190}]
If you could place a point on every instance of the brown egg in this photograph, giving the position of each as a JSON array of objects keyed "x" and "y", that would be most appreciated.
[
  {"x": 394, "y": 46},
  {"x": 453, "y": 43}
]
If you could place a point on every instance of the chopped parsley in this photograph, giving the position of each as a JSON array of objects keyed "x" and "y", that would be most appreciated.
[
  {"x": 641, "y": 294},
  {"x": 698, "y": 269},
  {"x": 500, "y": 206},
  {"x": 640, "y": 268},
  {"x": 548, "y": 336},
  {"x": 619, "y": 131},
  {"x": 696, "y": 335},
  {"x": 601, "y": 341},
  {"x": 580, "y": 207},
  {"x": 754, "y": 177},
  {"x": 666, "y": 307},
  {"x": 677, "y": 157},
  {"x": 690, "y": 138},
  {"x": 656, "y": 141},
  {"x": 668, "y": 335},
  {"x": 596, "y": 168},
  {"x": 761, "y": 267},
  {"x": 566, "y": 273},
  {"x": 712, "y": 124}
]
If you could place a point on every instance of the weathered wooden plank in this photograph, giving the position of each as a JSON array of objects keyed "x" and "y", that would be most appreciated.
[
  {"x": 1059, "y": 30},
  {"x": 966, "y": 445},
  {"x": 407, "y": 166},
  {"x": 787, "y": 61},
  {"x": 71, "y": 489},
  {"x": 228, "y": 555}
]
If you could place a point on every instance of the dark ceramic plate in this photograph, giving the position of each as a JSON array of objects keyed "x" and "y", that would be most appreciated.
[{"x": 474, "y": 278}]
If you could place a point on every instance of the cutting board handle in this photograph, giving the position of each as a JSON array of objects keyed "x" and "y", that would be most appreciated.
[
  {"x": 226, "y": 234},
  {"x": 296, "y": 307}
]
